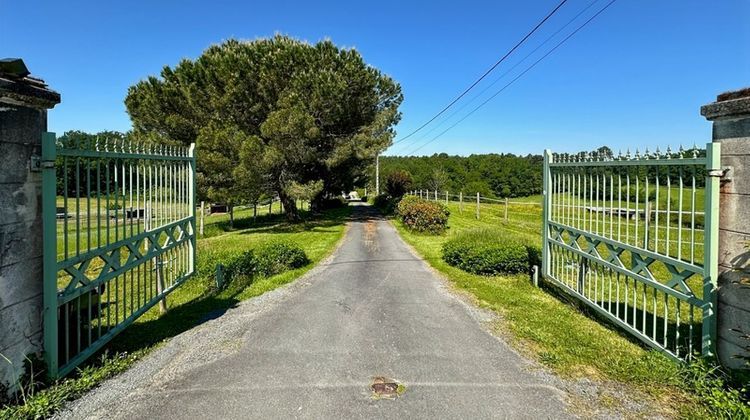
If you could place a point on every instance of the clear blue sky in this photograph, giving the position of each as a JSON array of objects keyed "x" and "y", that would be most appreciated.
[{"x": 636, "y": 76}]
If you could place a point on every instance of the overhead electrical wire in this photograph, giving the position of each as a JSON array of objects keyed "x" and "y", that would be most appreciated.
[
  {"x": 478, "y": 95},
  {"x": 517, "y": 77},
  {"x": 538, "y": 25}
]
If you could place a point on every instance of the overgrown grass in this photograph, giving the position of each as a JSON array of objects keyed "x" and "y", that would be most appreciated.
[
  {"x": 560, "y": 335},
  {"x": 196, "y": 301}
]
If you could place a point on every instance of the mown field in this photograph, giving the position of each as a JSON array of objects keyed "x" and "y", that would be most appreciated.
[{"x": 547, "y": 325}]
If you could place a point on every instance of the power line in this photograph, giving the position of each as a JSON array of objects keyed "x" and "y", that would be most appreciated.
[
  {"x": 517, "y": 77},
  {"x": 538, "y": 25},
  {"x": 478, "y": 95}
]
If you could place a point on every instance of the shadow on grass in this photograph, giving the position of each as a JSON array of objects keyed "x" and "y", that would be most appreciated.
[
  {"x": 650, "y": 325},
  {"x": 211, "y": 305}
]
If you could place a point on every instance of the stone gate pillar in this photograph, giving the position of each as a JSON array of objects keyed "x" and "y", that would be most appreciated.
[
  {"x": 24, "y": 102},
  {"x": 730, "y": 115}
]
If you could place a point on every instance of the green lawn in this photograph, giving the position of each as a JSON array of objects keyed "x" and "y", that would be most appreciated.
[
  {"x": 195, "y": 299},
  {"x": 543, "y": 324}
]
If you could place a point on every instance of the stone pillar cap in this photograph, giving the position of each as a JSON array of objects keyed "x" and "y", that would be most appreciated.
[
  {"x": 18, "y": 88},
  {"x": 730, "y": 104}
]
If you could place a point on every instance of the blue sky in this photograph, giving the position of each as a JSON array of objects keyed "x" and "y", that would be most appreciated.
[{"x": 636, "y": 76}]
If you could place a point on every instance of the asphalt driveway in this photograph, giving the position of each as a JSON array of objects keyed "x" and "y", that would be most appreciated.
[{"x": 313, "y": 349}]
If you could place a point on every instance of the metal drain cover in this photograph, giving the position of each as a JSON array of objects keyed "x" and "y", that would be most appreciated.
[{"x": 383, "y": 387}]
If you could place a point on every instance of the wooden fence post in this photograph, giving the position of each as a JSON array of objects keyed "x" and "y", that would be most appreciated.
[
  {"x": 506, "y": 209},
  {"x": 446, "y": 198},
  {"x": 477, "y": 206},
  {"x": 270, "y": 206},
  {"x": 461, "y": 202},
  {"x": 436, "y": 195}
]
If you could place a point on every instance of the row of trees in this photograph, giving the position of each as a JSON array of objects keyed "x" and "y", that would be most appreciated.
[
  {"x": 271, "y": 116},
  {"x": 508, "y": 175},
  {"x": 491, "y": 175}
]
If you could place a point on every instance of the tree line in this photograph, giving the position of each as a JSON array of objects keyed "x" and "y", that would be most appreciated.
[{"x": 491, "y": 175}]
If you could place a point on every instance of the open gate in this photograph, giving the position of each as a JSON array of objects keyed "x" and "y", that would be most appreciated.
[
  {"x": 636, "y": 239},
  {"x": 119, "y": 235}
]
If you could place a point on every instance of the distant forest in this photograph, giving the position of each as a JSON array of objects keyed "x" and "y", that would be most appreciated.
[
  {"x": 506, "y": 175},
  {"x": 491, "y": 175}
]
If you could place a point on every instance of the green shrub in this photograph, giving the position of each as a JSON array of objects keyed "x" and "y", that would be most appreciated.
[
  {"x": 241, "y": 265},
  {"x": 488, "y": 252},
  {"x": 276, "y": 257},
  {"x": 384, "y": 203},
  {"x": 422, "y": 215}
]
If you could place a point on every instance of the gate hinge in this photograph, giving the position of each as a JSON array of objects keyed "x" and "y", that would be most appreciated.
[{"x": 724, "y": 173}]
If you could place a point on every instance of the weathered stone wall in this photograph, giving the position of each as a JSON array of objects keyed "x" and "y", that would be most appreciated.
[
  {"x": 21, "y": 300},
  {"x": 731, "y": 119}
]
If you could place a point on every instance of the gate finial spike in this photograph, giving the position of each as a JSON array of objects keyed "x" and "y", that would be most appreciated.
[
  {"x": 619, "y": 154},
  {"x": 669, "y": 152},
  {"x": 637, "y": 154},
  {"x": 627, "y": 154},
  {"x": 682, "y": 151},
  {"x": 646, "y": 153}
]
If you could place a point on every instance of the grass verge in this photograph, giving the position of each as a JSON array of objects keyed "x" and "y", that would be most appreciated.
[
  {"x": 562, "y": 337},
  {"x": 196, "y": 301}
]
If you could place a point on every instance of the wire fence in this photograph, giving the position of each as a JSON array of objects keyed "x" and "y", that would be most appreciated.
[{"x": 473, "y": 201}]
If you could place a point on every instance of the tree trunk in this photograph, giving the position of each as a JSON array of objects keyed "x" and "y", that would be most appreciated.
[
  {"x": 231, "y": 216},
  {"x": 290, "y": 207},
  {"x": 255, "y": 211}
]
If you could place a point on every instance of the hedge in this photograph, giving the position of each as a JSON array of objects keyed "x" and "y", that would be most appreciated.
[{"x": 489, "y": 252}]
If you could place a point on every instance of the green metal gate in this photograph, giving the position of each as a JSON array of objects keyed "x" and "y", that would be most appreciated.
[
  {"x": 119, "y": 235},
  {"x": 636, "y": 239}
]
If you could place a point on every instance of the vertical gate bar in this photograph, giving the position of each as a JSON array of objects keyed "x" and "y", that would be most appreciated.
[
  {"x": 191, "y": 196},
  {"x": 98, "y": 199},
  {"x": 667, "y": 250},
  {"x": 88, "y": 205},
  {"x": 106, "y": 212},
  {"x": 627, "y": 201},
  {"x": 619, "y": 204},
  {"x": 545, "y": 213},
  {"x": 647, "y": 213},
  {"x": 692, "y": 217},
  {"x": 690, "y": 330},
  {"x": 666, "y": 320},
  {"x": 637, "y": 202},
  {"x": 583, "y": 199},
  {"x": 711, "y": 247},
  {"x": 49, "y": 252},
  {"x": 124, "y": 200},
  {"x": 656, "y": 212},
  {"x": 598, "y": 203},
  {"x": 677, "y": 329},
  {"x": 611, "y": 204},
  {"x": 117, "y": 201},
  {"x": 65, "y": 204},
  {"x": 78, "y": 205},
  {"x": 679, "y": 216}
]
